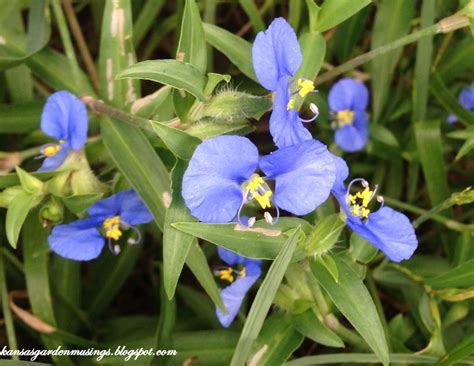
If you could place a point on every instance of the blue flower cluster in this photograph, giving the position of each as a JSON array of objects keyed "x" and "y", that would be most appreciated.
[{"x": 221, "y": 177}]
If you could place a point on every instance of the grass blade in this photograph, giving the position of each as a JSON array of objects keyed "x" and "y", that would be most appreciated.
[{"x": 263, "y": 301}]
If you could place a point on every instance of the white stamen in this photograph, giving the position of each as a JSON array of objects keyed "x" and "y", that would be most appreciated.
[
  {"x": 268, "y": 217},
  {"x": 251, "y": 221},
  {"x": 116, "y": 249}
]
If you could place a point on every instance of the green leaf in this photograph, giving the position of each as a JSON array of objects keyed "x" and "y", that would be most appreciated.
[
  {"x": 392, "y": 21},
  {"x": 14, "y": 49},
  {"x": 54, "y": 69},
  {"x": 313, "y": 12},
  {"x": 29, "y": 183},
  {"x": 37, "y": 272},
  {"x": 429, "y": 143},
  {"x": 166, "y": 323},
  {"x": 139, "y": 163},
  {"x": 16, "y": 215},
  {"x": 180, "y": 75},
  {"x": 460, "y": 276},
  {"x": 252, "y": 12},
  {"x": 361, "y": 250},
  {"x": 197, "y": 263},
  {"x": 214, "y": 79},
  {"x": 328, "y": 262},
  {"x": 308, "y": 324},
  {"x": 117, "y": 53},
  {"x": 147, "y": 106},
  {"x": 263, "y": 300},
  {"x": 276, "y": 342},
  {"x": 176, "y": 243},
  {"x": 20, "y": 118},
  {"x": 325, "y": 235},
  {"x": 261, "y": 241},
  {"x": 334, "y": 12},
  {"x": 147, "y": 16},
  {"x": 111, "y": 274},
  {"x": 237, "y": 50},
  {"x": 180, "y": 143},
  {"x": 207, "y": 128},
  {"x": 349, "y": 33},
  {"x": 458, "y": 353},
  {"x": 363, "y": 358},
  {"x": 353, "y": 299},
  {"x": 191, "y": 39}
]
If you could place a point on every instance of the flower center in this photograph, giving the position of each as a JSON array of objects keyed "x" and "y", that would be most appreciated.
[
  {"x": 229, "y": 274},
  {"x": 260, "y": 191},
  {"x": 51, "y": 150},
  {"x": 112, "y": 229},
  {"x": 345, "y": 117},
  {"x": 359, "y": 202}
]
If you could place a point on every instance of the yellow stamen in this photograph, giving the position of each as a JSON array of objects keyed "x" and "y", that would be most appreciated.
[
  {"x": 306, "y": 86},
  {"x": 226, "y": 274},
  {"x": 242, "y": 273},
  {"x": 51, "y": 150},
  {"x": 290, "y": 105},
  {"x": 112, "y": 227},
  {"x": 263, "y": 201},
  {"x": 364, "y": 197},
  {"x": 345, "y": 117},
  {"x": 254, "y": 183}
]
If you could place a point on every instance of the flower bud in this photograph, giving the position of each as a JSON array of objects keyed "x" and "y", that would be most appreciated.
[{"x": 52, "y": 212}]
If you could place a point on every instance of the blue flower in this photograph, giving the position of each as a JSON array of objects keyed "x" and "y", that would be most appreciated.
[
  {"x": 64, "y": 118},
  {"x": 221, "y": 178},
  {"x": 348, "y": 100},
  {"x": 83, "y": 240},
  {"x": 276, "y": 56},
  {"x": 387, "y": 229},
  {"x": 241, "y": 280},
  {"x": 466, "y": 99}
]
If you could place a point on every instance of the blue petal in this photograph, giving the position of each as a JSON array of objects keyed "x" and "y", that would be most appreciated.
[
  {"x": 79, "y": 241},
  {"x": 133, "y": 211},
  {"x": 65, "y": 117},
  {"x": 466, "y": 98},
  {"x": 229, "y": 256},
  {"x": 388, "y": 230},
  {"x": 304, "y": 175},
  {"x": 342, "y": 172},
  {"x": 352, "y": 138},
  {"x": 233, "y": 295},
  {"x": 55, "y": 161},
  {"x": 211, "y": 184},
  {"x": 286, "y": 127},
  {"x": 107, "y": 207},
  {"x": 348, "y": 94},
  {"x": 276, "y": 53}
]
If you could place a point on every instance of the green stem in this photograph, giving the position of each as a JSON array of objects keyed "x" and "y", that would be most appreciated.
[
  {"x": 444, "y": 26},
  {"x": 7, "y": 315},
  {"x": 66, "y": 40},
  {"x": 449, "y": 223},
  {"x": 146, "y": 124}
]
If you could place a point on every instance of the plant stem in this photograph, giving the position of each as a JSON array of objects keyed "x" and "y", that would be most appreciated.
[
  {"x": 81, "y": 44},
  {"x": 66, "y": 40},
  {"x": 449, "y": 223},
  {"x": 100, "y": 107},
  {"x": 444, "y": 26}
]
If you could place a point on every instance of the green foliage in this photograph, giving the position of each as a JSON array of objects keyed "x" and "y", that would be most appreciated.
[{"x": 326, "y": 295}]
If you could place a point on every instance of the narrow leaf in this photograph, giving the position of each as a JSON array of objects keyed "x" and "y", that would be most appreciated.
[
  {"x": 352, "y": 298},
  {"x": 263, "y": 300},
  {"x": 16, "y": 215}
]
